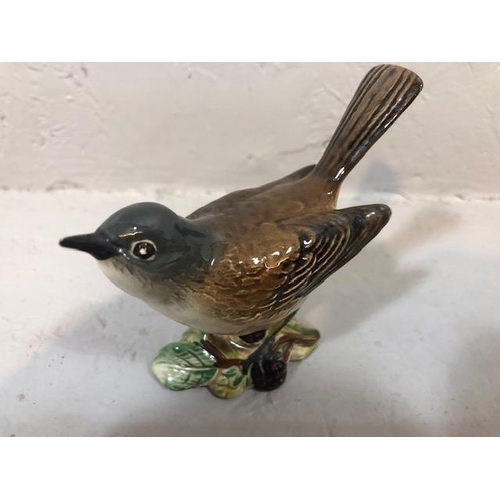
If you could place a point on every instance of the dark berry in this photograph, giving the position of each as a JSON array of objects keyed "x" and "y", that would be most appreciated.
[{"x": 268, "y": 374}]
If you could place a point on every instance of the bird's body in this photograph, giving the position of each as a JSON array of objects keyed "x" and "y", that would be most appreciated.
[{"x": 249, "y": 259}]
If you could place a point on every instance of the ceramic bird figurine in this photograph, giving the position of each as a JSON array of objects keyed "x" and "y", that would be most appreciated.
[{"x": 242, "y": 265}]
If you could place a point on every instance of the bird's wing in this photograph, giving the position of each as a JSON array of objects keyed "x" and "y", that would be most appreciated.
[
  {"x": 223, "y": 204},
  {"x": 280, "y": 263},
  {"x": 327, "y": 242}
]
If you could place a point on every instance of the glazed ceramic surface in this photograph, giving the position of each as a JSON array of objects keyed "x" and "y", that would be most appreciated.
[{"x": 242, "y": 265}]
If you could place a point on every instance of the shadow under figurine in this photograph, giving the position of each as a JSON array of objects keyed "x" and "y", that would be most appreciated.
[{"x": 237, "y": 270}]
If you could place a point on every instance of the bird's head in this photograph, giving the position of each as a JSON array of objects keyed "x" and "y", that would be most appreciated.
[{"x": 141, "y": 244}]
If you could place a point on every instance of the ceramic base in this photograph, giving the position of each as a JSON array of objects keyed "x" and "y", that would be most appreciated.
[{"x": 227, "y": 364}]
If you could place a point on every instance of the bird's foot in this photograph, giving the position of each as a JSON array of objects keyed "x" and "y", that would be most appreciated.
[{"x": 228, "y": 364}]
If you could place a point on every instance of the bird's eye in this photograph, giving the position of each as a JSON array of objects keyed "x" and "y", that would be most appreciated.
[{"x": 145, "y": 250}]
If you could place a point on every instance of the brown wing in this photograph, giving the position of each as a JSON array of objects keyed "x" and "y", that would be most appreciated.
[
  {"x": 328, "y": 241},
  {"x": 222, "y": 204},
  {"x": 286, "y": 261}
]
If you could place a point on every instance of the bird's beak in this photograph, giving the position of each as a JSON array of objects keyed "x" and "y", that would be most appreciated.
[{"x": 97, "y": 245}]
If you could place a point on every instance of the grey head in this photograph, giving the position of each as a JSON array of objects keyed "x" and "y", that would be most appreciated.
[{"x": 142, "y": 243}]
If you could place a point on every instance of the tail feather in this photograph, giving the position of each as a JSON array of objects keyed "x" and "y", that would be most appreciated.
[{"x": 383, "y": 95}]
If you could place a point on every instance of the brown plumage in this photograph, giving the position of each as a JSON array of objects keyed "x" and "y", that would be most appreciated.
[
  {"x": 250, "y": 258},
  {"x": 296, "y": 217}
]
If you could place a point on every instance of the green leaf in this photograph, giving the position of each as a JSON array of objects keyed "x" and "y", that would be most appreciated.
[
  {"x": 180, "y": 366},
  {"x": 228, "y": 383}
]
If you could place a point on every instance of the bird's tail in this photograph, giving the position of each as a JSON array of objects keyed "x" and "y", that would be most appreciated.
[{"x": 385, "y": 92}]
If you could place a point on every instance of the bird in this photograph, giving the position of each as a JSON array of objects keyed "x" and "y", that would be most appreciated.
[{"x": 249, "y": 259}]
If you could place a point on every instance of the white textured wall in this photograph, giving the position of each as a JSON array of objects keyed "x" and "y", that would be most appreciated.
[{"x": 223, "y": 126}]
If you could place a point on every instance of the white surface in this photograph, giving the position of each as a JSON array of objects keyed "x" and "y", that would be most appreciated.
[
  {"x": 218, "y": 126},
  {"x": 410, "y": 333}
]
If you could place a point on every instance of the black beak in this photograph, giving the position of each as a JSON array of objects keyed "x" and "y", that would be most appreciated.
[{"x": 97, "y": 245}]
